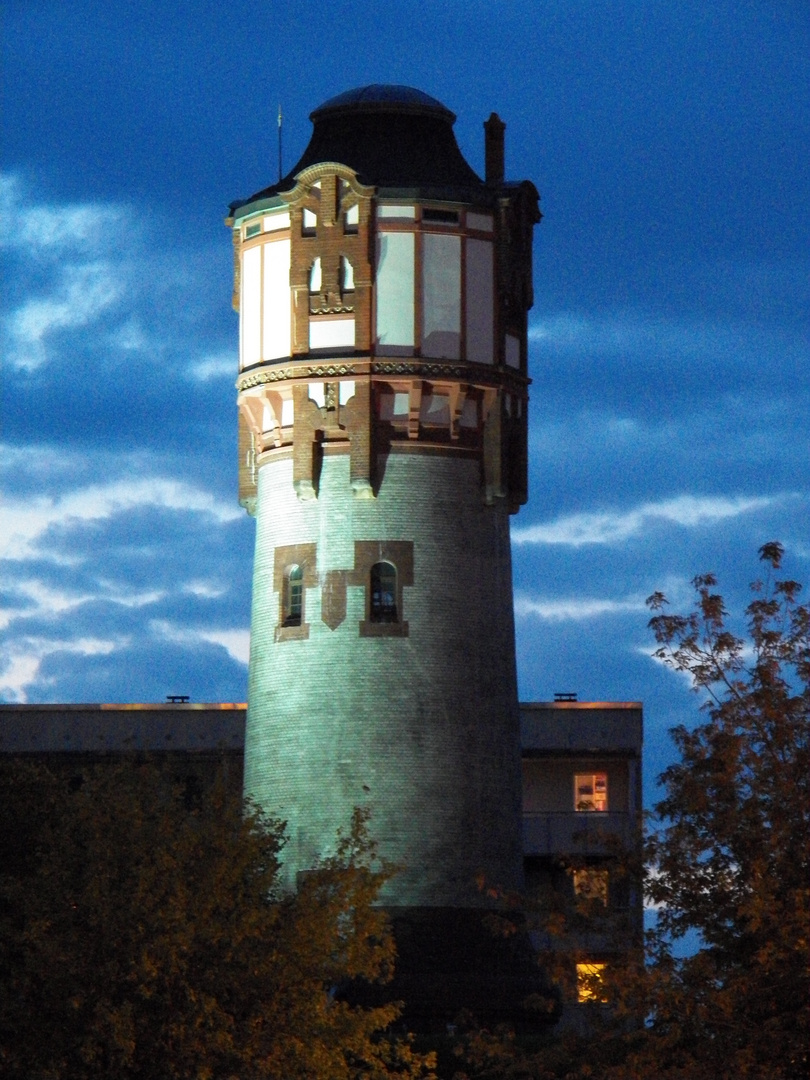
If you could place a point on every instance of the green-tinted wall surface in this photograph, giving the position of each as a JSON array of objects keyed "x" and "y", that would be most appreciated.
[{"x": 421, "y": 727}]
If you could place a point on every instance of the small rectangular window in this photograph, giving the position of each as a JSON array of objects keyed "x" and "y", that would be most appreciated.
[
  {"x": 253, "y": 229},
  {"x": 589, "y": 982},
  {"x": 440, "y": 217},
  {"x": 394, "y": 212},
  {"x": 591, "y": 792},
  {"x": 591, "y": 884}
]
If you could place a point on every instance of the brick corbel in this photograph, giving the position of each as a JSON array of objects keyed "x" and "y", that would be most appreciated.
[
  {"x": 356, "y": 417},
  {"x": 307, "y": 420}
]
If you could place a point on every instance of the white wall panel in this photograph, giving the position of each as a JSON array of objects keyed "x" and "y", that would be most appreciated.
[
  {"x": 277, "y": 313},
  {"x": 480, "y": 302},
  {"x": 274, "y": 222},
  {"x": 441, "y": 297},
  {"x": 331, "y": 334},
  {"x": 250, "y": 307},
  {"x": 395, "y": 289}
]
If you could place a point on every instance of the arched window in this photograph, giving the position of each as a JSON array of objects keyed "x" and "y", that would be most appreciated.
[
  {"x": 293, "y": 598},
  {"x": 384, "y": 593}
]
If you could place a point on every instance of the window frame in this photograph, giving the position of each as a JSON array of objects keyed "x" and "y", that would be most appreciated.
[{"x": 581, "y": 805}]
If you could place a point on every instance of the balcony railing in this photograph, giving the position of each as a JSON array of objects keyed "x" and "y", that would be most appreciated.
[{"x": 582, "y": 833}]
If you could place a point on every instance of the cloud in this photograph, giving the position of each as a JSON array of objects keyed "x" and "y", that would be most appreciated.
[
  {"x": 235, "y": 642},
  {"x": 24, "y": 658},
  {"x": 47, "y": 230},
  {"x": 94, "y": 282},
  {"x": 26, "y": 521},
  {"x": 611, "y": 527},
  {"x": 573, "y": 609},
  {"x": 79, "y": 296},
  {"x": 630, "y": 332},
  {"x": 224, "y": 366}
]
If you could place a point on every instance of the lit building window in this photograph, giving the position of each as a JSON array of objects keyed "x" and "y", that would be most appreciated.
[
  {"x": 591, "y": 884},
  {"x": 383, "y": 593},
  {"x": 346, "y": 275},
  {"x": 591, "y": 792},
  {"x": 589, "y": 982},
  {"x": 293, "y": 598}
]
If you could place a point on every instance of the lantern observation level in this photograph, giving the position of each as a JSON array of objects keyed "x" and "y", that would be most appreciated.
[{"x": 383, "y": 290}]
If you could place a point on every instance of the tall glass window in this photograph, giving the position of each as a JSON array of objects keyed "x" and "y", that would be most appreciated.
[
  {"x": 293, "y": 596},
  {"x": 384, "y": 593}
]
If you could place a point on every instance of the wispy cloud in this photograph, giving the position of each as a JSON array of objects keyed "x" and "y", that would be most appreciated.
[
  {"x": 732, "y": 336},
  {"x": 47, "y": 230},
  {"x": 90, "y": 279},
  {"x": 79, "y": 296},
  {"x": 25, "y": 521},
  {"x": 24, "y": 656},
  {"x": 236, "y": 642},
  {"x": 573, "y": 609},
  {"x": 224, "y": 366},
  {"x": 614, "y": 526}
]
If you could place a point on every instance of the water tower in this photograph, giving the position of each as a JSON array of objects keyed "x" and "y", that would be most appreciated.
[{"x": 383, "y": 290}]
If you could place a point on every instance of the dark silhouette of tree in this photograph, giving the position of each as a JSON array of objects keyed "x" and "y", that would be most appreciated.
[
  {"x": 726, "y": 859},
  {"x": 139, "y": 938}
]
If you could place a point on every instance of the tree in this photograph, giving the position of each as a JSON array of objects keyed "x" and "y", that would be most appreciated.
[
  {"x": 726, "y": 858},
  {"x": 141, "y": 938},
  {"x": 729, "y": 856}
]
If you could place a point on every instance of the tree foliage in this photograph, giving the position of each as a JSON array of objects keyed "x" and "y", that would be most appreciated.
[
  {"x": 729, "y": 857},
  {"x": 726, "y": 860},
  {"x": 139, "y": 938}
]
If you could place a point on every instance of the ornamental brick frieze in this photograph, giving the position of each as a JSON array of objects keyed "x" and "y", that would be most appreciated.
[
  {"x": 309, "y": 372},
  {"x": 472, "y": 374}
]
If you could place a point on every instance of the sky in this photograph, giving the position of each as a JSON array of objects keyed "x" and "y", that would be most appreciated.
[{"x": 669, "y": 340}]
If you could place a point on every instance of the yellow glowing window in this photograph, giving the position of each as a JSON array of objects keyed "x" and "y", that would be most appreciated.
[
  {"x": 591, "y": 884},
  {"x": 589, "y": 982},
  {"x": 591, "y": 792}
]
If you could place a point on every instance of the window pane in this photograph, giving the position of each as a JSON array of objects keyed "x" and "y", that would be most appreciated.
[
  {"x": 589, "y": 979},
  {"x": 294, "y": 596},
  {"x": 591, "y": 792},
  {"x": 384, "y": 593},
  {"x": 591, "y": 883}
]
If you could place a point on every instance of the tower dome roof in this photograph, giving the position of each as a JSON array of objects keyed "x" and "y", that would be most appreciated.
[
  {"x": 394, "y": 137},
  {"x": 383, "y": 97}
]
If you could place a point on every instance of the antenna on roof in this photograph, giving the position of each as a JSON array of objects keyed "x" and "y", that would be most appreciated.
[{"x": 279, "y": 141}]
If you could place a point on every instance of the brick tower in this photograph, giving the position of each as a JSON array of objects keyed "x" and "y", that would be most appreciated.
[{"x": 383, "y": 291}]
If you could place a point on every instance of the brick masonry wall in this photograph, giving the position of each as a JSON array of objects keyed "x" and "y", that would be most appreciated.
[{"x": 421, "y": 728}]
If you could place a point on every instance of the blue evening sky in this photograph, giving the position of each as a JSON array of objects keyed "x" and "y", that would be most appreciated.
[{"x": 670, "y": 406}]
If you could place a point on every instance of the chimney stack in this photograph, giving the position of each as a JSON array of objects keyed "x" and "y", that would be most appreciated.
[{"x": 493, "y": 149}]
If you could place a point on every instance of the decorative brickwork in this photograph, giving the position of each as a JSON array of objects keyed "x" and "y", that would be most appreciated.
[
  {"x": 302, "y": 555},
  {"x": 366, "y": 554},
  {"x": 328, "y": 192}
]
